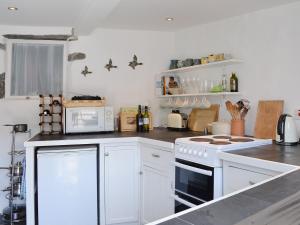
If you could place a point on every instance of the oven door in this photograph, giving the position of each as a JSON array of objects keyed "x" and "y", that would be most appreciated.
[
  {"x": 84, "y": 119},
  {"x": 194, "y": 184}
]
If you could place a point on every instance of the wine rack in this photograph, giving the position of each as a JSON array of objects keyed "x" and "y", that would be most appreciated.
[{"x": 51, "y": 114}]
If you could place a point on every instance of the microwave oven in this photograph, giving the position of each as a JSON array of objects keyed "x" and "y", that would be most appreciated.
[{"x": 88, "y": 119}]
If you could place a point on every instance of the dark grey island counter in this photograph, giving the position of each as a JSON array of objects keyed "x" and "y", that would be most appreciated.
[{"x": 276, "y": 202}]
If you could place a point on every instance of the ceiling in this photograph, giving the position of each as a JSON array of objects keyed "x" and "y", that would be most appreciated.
[{"x": 86, "y": 15}]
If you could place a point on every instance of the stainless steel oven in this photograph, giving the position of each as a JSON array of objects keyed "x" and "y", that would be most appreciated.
[{"x": 195, "y": 184}]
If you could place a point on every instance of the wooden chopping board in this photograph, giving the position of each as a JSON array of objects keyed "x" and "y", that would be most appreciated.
[
  {"x": 200, "y": 118},
  {"x": 268, "y": 113}
]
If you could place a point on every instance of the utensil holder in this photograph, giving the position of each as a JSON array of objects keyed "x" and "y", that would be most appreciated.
[{"x": 238, "y": 127}]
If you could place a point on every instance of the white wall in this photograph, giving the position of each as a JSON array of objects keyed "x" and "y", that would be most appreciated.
[
  {"x": 121, "y": 87},
  {"x": 267, "y": 41}
]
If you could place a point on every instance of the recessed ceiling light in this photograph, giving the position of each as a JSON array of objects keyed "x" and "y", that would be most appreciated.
[
  {"x": 169, "y": 19},
  {"x": 12, "y": 8}
]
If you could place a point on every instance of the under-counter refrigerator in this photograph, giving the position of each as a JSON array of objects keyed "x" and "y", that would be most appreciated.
[{"x": 67, "y": 187}]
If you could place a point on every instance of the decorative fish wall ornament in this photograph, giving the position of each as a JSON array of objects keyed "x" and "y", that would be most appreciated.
[
  {"x": 86, "y": 71},
  {"x": 134, "y": 63},
  {"x": 110, "y": 65}
]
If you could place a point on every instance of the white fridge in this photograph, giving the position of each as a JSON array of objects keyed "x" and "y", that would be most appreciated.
[{"x": 67, "y": 186}]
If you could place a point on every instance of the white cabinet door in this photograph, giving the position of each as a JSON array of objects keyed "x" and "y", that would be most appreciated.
[
  {"x": 121, "y": 177},
  {"x": 157, "y": 179},
  {"x": 238, "y": 176},
  {"x": 156, "y": 195}
]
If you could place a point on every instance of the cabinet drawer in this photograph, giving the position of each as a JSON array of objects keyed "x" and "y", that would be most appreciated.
[
  {"x": 237, "y": 177},
  {"x": 156, "y": 157}
]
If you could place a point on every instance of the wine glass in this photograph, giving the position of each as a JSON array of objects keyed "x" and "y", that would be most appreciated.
[{"x": 183, "y": 84}]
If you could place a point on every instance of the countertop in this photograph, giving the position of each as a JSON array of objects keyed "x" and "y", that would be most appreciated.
[
  {"x": 160, "y": 134},
  {"x": 275, "y": 153},
  {"x": 276, "y": 202}
]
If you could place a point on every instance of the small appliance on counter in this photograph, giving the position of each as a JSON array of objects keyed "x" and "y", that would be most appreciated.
[
  {"x": 85, "y": 114},
  {"x": 177, "y": 121},
  {"x": 286, "y": 131}
]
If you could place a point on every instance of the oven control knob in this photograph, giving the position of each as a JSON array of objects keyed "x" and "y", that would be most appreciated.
[
  {"x": 195, "y": 152},
  {"x": 190, "y": 152},
  {"x": 184, "y": 150},
  {"x": 200, "y": 154},
  {"x": 205, "y": 155},
  {"x": 180, "y": 149}
]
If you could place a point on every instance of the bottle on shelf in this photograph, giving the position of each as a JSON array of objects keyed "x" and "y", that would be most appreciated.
[
  {"x": 224, "y": 83},
  {"x": 234, "y": 83},
  {"x": 146, "y": 120},
  {"x": 139, "y": 120}
]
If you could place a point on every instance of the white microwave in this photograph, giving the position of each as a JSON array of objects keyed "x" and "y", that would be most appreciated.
[{"x": 88, "y": 119}]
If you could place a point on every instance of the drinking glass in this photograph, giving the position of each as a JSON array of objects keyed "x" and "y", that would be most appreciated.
[{"x": 183, "y": 84}]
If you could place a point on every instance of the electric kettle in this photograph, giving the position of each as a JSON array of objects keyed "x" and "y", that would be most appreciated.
[{"x": 286, "y": 133}]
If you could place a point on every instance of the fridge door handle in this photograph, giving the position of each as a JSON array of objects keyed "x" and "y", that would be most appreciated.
[{"x": 69, "y": 151}]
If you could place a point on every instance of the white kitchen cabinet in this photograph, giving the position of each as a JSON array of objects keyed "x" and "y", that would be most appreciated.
[
  {"x": 121, "y": 178},
  {"x": 238, "y": 176},
  {"x": 157, "y": 179}
]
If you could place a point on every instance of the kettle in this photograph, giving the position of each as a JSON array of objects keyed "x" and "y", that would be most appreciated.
[{"x": 286, "y": 132}]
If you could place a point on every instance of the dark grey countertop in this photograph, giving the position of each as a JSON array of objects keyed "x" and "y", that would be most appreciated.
[
  {"x": 161, "y": 134},
  {"x": 276, "y": 202},
  {"x": 257, "y": 206},
  {"x": 276, "y": 153}
]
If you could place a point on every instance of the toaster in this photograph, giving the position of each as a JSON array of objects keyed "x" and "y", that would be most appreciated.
[{"x": 177, "y": 121}]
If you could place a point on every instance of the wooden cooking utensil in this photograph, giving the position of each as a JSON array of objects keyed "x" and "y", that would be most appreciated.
[{"x": 267, "y": 116}]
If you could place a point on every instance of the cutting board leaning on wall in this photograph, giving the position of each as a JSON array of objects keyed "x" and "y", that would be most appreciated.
[
  {"x": 267, "y": 116},
  {"x": 200, "y": 118}
]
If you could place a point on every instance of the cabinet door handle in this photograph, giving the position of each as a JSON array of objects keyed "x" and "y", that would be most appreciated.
[
  {"x": 251, "y": 182},
  {"x": 141, "y": 172},
  {"x": 155, "y": 155},
  {"x": 106, "y": 154}
]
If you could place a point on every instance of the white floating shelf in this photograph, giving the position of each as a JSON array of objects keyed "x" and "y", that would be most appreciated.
[
  {"x": 203, "y": 66},
  {"x": 201, "y": 94}
]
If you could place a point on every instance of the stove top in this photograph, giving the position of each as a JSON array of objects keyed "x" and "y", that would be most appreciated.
[
  {"x": 224, "y": 142},
  {"x": 204, "y": 149}
]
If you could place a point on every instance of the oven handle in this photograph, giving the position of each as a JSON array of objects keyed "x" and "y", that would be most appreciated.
[
  {"x": 178, "y": 199},
  {"x": 193, "y": 169}
]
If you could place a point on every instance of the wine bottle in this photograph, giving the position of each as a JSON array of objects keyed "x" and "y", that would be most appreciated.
[
  {"x": 234, "y": 83},
  {"x": 146, "y": 120},
  {"x": 139, "y": 120}
]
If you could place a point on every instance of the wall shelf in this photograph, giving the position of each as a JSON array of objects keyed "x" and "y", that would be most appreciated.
[
  {"x": 204, "y": 66},
  {"x": 202, "y": 94}
]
